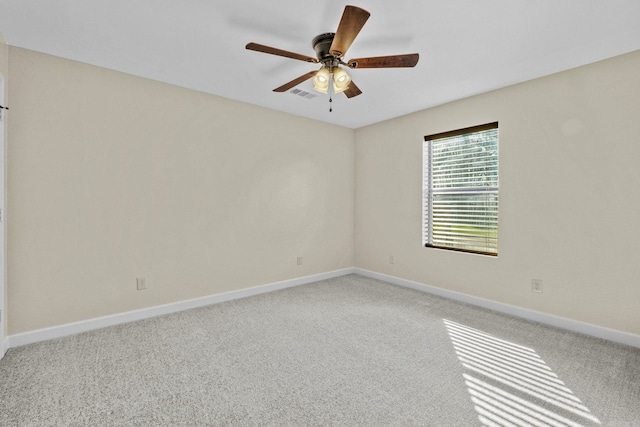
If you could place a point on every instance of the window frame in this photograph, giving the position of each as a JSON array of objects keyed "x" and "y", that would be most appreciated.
[{"x": 428, "y": 191}]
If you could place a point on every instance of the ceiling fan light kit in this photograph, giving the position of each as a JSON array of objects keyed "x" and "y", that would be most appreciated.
[
  {"x": 330, "y": 49},
  {"x": 337, "y": 78}
]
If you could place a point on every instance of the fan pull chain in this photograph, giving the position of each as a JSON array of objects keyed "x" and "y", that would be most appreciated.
[{"x": 330, "y": 96}]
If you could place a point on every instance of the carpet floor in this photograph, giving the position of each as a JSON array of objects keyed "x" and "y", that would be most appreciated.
[{"x": 347, "y": 351}]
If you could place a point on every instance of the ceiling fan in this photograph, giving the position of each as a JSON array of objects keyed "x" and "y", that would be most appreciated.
[{"x": 330, "y": 49}]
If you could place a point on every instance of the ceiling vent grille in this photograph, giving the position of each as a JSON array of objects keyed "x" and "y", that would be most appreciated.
[{"x": 302, "y": 93}]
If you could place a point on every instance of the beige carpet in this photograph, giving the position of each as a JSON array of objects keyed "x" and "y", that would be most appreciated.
[{"x": 346, "y": 351}]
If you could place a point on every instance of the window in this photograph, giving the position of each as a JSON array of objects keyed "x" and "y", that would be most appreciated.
[{"x": 461, "y": 190}]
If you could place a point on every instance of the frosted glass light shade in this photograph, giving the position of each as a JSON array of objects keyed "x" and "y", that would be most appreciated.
[
  {"x": 321, "y": 80},
  {"x": 341, "y": 80}
]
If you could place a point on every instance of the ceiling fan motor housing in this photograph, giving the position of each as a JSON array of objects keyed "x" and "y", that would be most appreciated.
[{"x": 322, "y": 45}]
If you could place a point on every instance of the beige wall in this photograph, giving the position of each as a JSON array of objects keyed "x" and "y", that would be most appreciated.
[
  {"x": 569, "y": 197},
  {"x": 4, "y": 70},
  {"x": 113, "y": 176}
]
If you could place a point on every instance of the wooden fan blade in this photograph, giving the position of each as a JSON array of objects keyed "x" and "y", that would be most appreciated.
[
  {"x": 392, "y": 61},
  {"x": 295, "y": 82},
  {"x": 352, "y": 90},
  {"x": 274, "y": 51},
  {"x": 352, "y": 21}
]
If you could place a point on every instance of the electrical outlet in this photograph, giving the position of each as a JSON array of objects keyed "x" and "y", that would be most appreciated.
[
  {"x": 392, "y": 259},
  {"x": 536, "y": 285},
  {"x": 299, "y": 261},
  {"x": 141, "y": 283}
]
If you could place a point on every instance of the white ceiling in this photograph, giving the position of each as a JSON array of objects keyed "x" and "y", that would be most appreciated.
[{"x": 466, "y": 47}]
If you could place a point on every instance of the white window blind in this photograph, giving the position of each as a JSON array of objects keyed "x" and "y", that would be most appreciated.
[{"x": 461, "y": 190}]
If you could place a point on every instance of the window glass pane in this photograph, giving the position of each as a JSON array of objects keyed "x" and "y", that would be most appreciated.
[{"x": 465, "y": 221}]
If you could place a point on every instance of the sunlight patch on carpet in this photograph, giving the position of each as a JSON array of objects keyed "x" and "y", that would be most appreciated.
[{"x": 510, "y": 385}]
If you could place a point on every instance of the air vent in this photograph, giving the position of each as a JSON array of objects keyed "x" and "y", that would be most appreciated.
[{"x": 302, "y": 93}]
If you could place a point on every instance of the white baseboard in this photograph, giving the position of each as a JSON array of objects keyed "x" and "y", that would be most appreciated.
[
  {"x": 30, "y": 337},
  {"x": 44, "y": 334},
  {"x": 536, "y": 316},
  {"x": 4, "y": 346}
]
